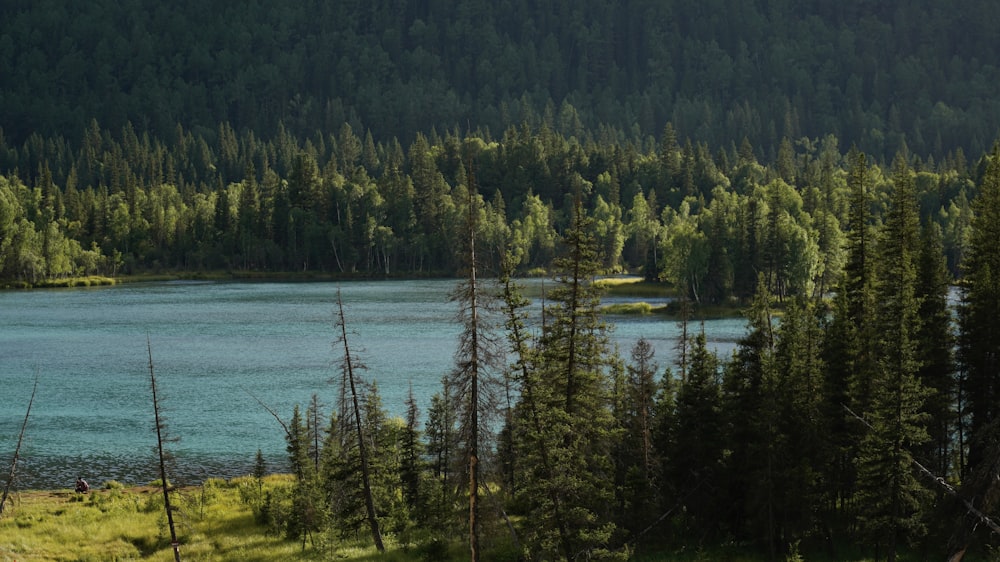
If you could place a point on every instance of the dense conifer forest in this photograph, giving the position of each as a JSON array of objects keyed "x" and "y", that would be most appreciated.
[{"x": 832, "y": 164}]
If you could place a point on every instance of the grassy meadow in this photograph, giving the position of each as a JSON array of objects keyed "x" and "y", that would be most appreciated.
[{"x": 215, "y": 523}]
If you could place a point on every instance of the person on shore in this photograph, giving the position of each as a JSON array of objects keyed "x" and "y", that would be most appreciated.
[{"x": 82, "y": 486}]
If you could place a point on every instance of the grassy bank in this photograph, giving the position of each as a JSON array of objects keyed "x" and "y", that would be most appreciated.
[
  {"x": 62, "y": 282},
  {"x": 215, "y": 522}
]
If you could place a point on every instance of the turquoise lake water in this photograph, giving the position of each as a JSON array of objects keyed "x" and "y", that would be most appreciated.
[{"x": 217, "y": 348}]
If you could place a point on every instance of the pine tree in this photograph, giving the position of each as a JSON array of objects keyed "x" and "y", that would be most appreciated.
[
  {"x": 979, "y": 335},
  {"x": 304, "y": 518},
  {"x": 799, "y": 454},
  {"x": 567, "y": 498},
  {"x": 890, "y": 496},
  {"x": 411, "y": 453},
  {"x": 695, "y": 451},
  {"x": 441, "y": 447},
  {"x": 750, "y": 411},
  {"x": 979, "y": 354},
  {"x": 860, "y": 280},
  {"x": 935, "y": 344},
  {"x": 849, "y": 353},
  {"x": 474, "y": 378},
  {"x": 636, "y": 462}
]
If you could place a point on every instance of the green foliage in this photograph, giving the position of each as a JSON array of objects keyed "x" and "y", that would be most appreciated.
[{"x": 641, "y": 308}]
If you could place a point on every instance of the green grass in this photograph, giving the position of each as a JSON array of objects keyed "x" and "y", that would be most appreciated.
[
  {"x": 641, "y": 308},
  {"x": 215, "y": 524},
  {"x": 63, "y": 282}
]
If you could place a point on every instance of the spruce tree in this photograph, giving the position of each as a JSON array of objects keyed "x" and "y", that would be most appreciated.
[
  {"x": 979, "y": 335},
  {"x": 567, "y": 497},
  {"x": 935, "y": 349},
  {"x": 750, "y": 412},
  {"x": 636, "y": 463},
  {"x": 441, "y": 446},
  {"x": 979, "y": 354},
  {"x": 891, "y": 499},
  {"x": 799, "y": 454},
  {"x": 849, "y": 352},
  {"x": 696, "y": 448},
  {"x": 411, "y": 456},
  {"x": 474, "y": 378},
  {"x": 304, "y": 518}
]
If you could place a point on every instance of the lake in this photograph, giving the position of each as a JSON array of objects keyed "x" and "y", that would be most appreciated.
[{"x": 218, "y": 348}]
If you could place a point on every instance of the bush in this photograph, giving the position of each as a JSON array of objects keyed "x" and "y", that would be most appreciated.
[{"x": 433, "y": 550}]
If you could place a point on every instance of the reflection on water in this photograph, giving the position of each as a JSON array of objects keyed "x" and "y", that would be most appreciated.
[{"x": 218, "y": 348}]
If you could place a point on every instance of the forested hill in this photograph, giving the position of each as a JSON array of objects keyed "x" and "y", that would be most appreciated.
[{"x": 872, "y": 73}]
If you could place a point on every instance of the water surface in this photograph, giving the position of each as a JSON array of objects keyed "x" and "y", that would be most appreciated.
[{"x": 217, "y": 349}]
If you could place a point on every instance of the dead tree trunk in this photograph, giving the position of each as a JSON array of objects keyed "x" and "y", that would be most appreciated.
[
  {"x": 362, "y": 451},
  {"x": 160, "y": 438},
  {"x": 17, "y": 450}
]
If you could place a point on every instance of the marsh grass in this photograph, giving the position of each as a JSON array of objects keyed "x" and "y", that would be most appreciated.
[
  {"x": 88, "y": 281},
  {"x": 634, "y": 287},
  {"x": 641, "y": 308}
]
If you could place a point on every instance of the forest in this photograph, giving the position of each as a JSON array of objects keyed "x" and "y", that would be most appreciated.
[
  {"x": 858, "y": 413},
  {"x": 829, "y": 170},
  {"x": 857, "y": 421},
  {"x": 874, "y": 74}
]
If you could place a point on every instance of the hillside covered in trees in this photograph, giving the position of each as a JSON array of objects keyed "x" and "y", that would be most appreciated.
[{"x": 871, "y": 73}]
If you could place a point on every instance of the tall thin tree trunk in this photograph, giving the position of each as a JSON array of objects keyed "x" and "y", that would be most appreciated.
[
  {"x": 163, "y": 465},
  {"x": 473, "y": 390},
  {"x": 362, "y": 450},
  {"x": 17, "y": 450}
]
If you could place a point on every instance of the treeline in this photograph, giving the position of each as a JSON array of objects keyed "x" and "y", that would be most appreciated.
[
  {"x": 875, "y": 74},
  {"x": 705, "y": 219},
  {"x": 864, "y": 424}
]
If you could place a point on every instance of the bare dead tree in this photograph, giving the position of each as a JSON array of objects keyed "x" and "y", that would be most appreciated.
[
  {"x": 348, "y": 373},
  {"x": 17, "y": 449},
  {"x": 281, "y": 422},
  {"x": 474, "y": 377},
  {"x": 160, "y": 438}
]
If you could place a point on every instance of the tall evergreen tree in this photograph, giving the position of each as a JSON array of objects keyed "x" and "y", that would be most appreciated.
[
  {"x": 750, "y": 412},
  {"x": 411, "y": 453},
  {"x": 935, "y": 349},
  {"x": 890, "y": 496},
  {"x": 696, "y": 445},
  {"x": 572, "y": 403},
  {"x": 800, "y": 452},
  {"x": 849, "y": 351},
  {"x": 474, "y": 377},
  {"x": 979, "y": 354},
  {"x": 636, "y": 462},
  {"x": 441, "y": 447},
  {"x": 979, "y": 336}
]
